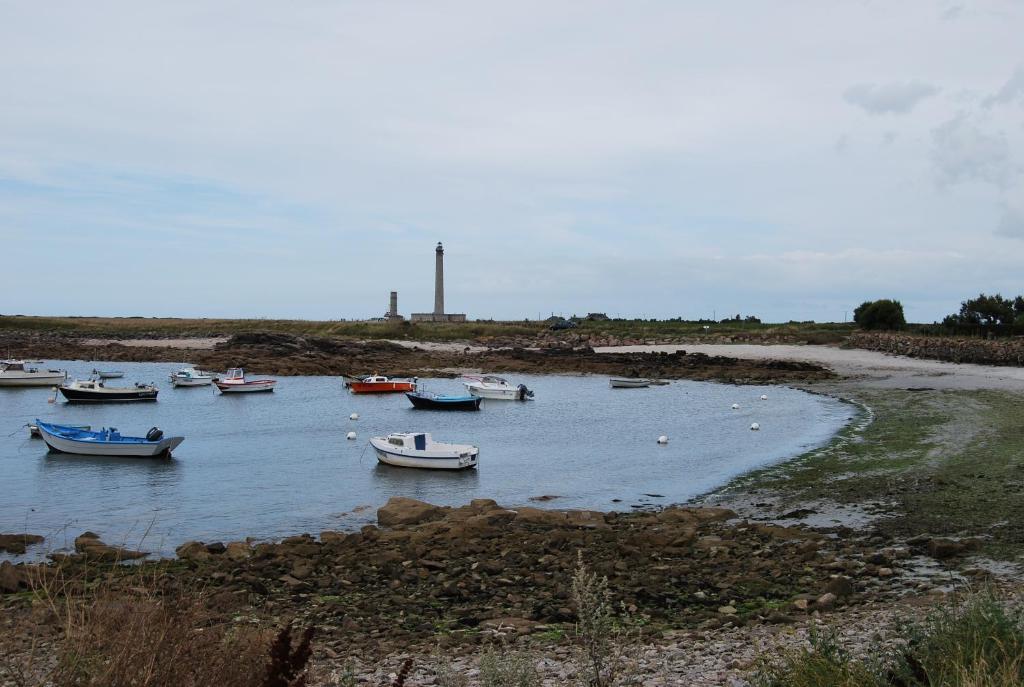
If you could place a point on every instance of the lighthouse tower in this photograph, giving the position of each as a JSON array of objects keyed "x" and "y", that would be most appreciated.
[{"x": 439, "y": 315}]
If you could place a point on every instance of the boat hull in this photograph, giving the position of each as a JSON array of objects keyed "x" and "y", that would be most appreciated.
[
  {"x": 496, "y": 393},
  {"x": 628, "y": 383},
  {"x": 33, "y": 379},
  {"x": 437, "y": 462},
  {"x": 246, "y": 387},
  {"x": 192, "y": 382},
  {"x": 381, "y": 387},
  {"x": 441, "y": 403},
  {"x": 148, "y": 449},
  {"x": 108, "y": 395}
]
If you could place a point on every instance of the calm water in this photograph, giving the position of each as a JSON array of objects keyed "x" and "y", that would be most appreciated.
[{"x": 270, "y": 465}]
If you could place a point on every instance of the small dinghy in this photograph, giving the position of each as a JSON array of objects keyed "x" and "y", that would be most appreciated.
[
  {"x": 498, "y": 388},
  {"x": 108, "y": 374},
  {"x": 107, "y": 442},
  {"x": 95, "y": 391},
  {"x": 236, "y": 383},
  {"x": 425, "y": 400},
  {"x": 419, "y": 450},
  {"x": 190, "y": 376},
  {"x": 381, "y": 385},
  {"x": 629, "y": 383}
]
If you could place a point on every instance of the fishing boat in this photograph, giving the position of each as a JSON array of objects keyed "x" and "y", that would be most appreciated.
[
  {"x": 33, "y": 430},
  {"x": 190, "y": 376},
  {"x": 108, "y": 374},
  {"x": 107, "y": 442},
  {"x": 376, "y": 384},
  {"x": 425, "y": 400},
  {"x": 629, "y": 383},
  {"x": 20, "y": 373},
  {"x": 234, "y": 382},
  {"x": 419, "y": 450},
  {"x": 95, "y": 391},
  {"x": 490, "y": 386}
]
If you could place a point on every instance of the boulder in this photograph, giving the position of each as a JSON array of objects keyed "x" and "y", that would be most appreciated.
[
  {"x": 16, "y": 543},
  {"x": 193, "y": 551},
  {"x": 840, "y": 586},
  {"x": 91, "y": 546},
  {"x": 947, "y": 548},
  {"x": 11, "y": 579},
  {"x": 238, "y": 550},
  {"x": 400, "y": 510}
]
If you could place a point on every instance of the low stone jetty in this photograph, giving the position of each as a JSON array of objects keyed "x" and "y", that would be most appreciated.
[{"x": 950, "y": 349}]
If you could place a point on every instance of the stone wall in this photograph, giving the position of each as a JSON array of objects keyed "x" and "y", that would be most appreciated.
[{"x": 950, "y": 349}]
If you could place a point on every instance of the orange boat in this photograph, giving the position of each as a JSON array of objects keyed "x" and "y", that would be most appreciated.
[{"x": 382, "y": 385}]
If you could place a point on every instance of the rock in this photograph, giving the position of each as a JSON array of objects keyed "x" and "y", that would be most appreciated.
[
  {"x": 727, "y": 610},
  {"x": 91, "y": 546},
  {"x": 521, "y": 626},
  {"x": 840, "y": 586},
  {"x": 942, "y": 549},
  {"x": 216, "y": 548},
  {"x": 544, "y": 497},
  {"x": 825, "y": 602},
  {"x": 885, "y": 572},
  {"x": 400, "y": 510},
  {"x": 332, "y": 537},
  {"x": 16, "y": 543},
  {"x": 11, "y": 579},
  {"x": 193, "y": 551},
  {"x": 238, "y": 550},
  {"x": 801, "y": 604}
]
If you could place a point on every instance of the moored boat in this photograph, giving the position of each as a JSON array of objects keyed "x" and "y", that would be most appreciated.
[
  {"x": 629, "y": 383},
  {"x": 20, "y": 373},
  {"x": 95, "y": 391},
  {"x": 234, "y": 382},
  {"x": 376, "y": 384},
  {"x": 419, "y": 450},
  {"x": 348, "y": 380},
  {"x": 108, "y": 374},
  {"x": 425, "y": 400},
  {"x": 499, "y": 388},
  {"x": 190, "y": 376},
  {"x": 33, "y": 430},
  {"x": 106, "y": 442}
]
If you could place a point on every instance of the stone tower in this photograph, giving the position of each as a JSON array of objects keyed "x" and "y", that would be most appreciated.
[{"x": 439, "y": 280}]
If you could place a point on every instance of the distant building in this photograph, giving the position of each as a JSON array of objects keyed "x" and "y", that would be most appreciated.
[
  {"x": 439, "y": 315},
  {"x": 596, "y": 316},
  {"x": 392, "y": 314}
]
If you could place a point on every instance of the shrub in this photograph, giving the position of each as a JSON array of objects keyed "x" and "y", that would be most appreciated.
[
  {"x": 823, "y": 664},
  {"x": 509, "y": 669},
  {"x": 880, "y": 314}
]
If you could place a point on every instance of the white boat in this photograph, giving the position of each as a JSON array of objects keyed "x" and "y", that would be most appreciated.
[
  {"x": 234, "y": 382},
  {"x": 19, "y": 373},
  {"x": 629, "y": 383},
  {"x": 106, "y": 442},
  {"x": 108, "y": 374},
  {"x": 190, "y": 376},
  {"x": 490, "y": 386},
  {"x": 419, "y": 450}
]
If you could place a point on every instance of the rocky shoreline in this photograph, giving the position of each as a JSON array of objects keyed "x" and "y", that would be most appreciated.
[
  {"x": 285, "y": 354},
  {"x": 951, "y": 349}
]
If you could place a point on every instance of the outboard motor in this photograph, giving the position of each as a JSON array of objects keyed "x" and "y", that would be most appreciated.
[
  {"x": 154, "y": 434},
  {"x": 524, "y": 393}
]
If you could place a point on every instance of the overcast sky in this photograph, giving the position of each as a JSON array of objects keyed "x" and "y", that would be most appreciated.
[{"x": 645, "y": 158}]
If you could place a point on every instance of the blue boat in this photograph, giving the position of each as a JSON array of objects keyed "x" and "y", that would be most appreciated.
[
  {"x": 425, "y": 400},
  {"x": 106, "y": 442}
]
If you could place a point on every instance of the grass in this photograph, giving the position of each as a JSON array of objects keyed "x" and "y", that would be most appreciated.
[
  {"x": 977, "y": 643},
  {"x": 936, "y": 462}
]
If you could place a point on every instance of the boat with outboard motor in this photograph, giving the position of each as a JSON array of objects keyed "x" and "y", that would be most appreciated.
[
  {"x": 95, "y": 391},
  {"x": 106, "y": 442},
  {"x": 424, "y": 400},
  {"x": 490, "y": 386},
  {"x": 376, "y": 384},
  {"x": 190, "y": 376},
  {"x": 419, "y": 450},
  {"x": 236, "y": 383},
  {"x": 20, "y": 373}
]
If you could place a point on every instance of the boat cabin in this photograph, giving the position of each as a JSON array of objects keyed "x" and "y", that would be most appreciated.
[
  {"x": 235, "y": 373},
  {"x": 413, "y": 441},
  {"x": 490, "y": 379}
]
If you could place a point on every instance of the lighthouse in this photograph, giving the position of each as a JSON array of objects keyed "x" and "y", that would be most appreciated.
[{"x": 439, "y": 315}]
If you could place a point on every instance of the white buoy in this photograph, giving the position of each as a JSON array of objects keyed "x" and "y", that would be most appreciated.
[
  {"x": 350, "y": 435},
  {"x": 353, "y": 416},
  {"x": 754, "y": 427},
  {"x": 735, "y": 406},
  {"x": 663, "y": 439},
  {"x": 764, "y": 397}
]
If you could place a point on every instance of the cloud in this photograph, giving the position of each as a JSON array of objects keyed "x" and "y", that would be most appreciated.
[
  {"x": 963, "y": 152},
  {"x": 891, "y": 98},
  {"x": 1011, "y": 225},
  {"x": 1012, "y": 90}
]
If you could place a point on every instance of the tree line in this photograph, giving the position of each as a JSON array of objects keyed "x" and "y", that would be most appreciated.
[{"x": 981, "y": 314}]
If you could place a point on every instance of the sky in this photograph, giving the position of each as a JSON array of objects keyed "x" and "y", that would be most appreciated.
[{"x": 651, "y": 158}]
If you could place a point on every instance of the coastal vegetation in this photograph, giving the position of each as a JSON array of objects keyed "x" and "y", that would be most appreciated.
[{"x": 881, "y": 314}]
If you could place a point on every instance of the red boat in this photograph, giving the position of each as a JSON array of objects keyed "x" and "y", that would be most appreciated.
[{"x": 381, "y": 385}]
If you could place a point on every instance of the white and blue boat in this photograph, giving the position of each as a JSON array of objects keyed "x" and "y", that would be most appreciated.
[
  {"x": 106, "y": 442},
  {"x": 419, "y": 450},
  {"x": 425, "y": 400}
]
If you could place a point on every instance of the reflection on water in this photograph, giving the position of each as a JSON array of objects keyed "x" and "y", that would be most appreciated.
[{"x": 274, "y": 464}]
